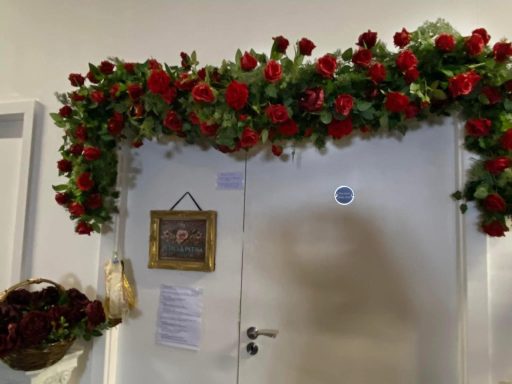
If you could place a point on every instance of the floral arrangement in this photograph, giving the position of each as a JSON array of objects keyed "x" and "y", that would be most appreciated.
[
  {"x": 30, "y": 319},
  {"x": 281, "y": 99}
]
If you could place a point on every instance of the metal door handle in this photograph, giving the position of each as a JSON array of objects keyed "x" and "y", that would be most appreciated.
[{"x": 253, "y": 333}]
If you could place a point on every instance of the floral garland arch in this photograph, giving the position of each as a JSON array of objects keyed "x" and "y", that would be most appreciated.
[{"x": 279, "y": 99}]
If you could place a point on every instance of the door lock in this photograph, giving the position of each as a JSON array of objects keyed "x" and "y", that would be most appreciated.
[
  {"x": 252, "y": 348},
  {"x": 253, "y": 333}
]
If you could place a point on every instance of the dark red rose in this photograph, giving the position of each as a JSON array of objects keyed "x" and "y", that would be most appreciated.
[
  {"x": 483, "y": 34},
  {"x": 203, "y": 93},
  {"x": 46, "y": 297},
  {"x": 402, "y": 38},
  {"x": 129, "y": 67},
  {"x": 83, "y": 228},
  {"x": 288, "y": 128},
  {"x": 478, "y": 127},
  {"x": 97, "y": 97},
  {"x": 474, "y": 45},
  {"x": 114, "y": 90},
  {"x": 445, "y": 42},
  {"x": 306, "y": 46},
  {"x": 65, "y": 111},
  {"x": 169, "y": 95},
  {"x": 84, "y": 182},
  {"x": 508, "y": 86},
  {"x": 76, "y": 79},
  {"x": 153, "y": 64},
  {"x": 208, "y": 129},
  {"x": 362, "y": 57},
  {"x": 248, "y": 62},
  {"x": 367, "y": 39},
  {"x": 249, "y": 138},
  {"x": 76, "y": 149},
  {"x": 173, "y": 122},
  {"x": 396, "y": 102},
  {"x": 76, "y": 97},
  {"x": 277, "y": 113},
  {"x": 76, "y": 209},
  {"x": 81, "y": 132},
  {"x": 277, "y": 150},
  {"x": 312, "y": 99},
  {"x": 115, "y": 124},
  {"x": 137, "y": 143},
  {"x": 64, "y": 165},
  {"x": 94, "y": 201},
  {"x": 186, "y": 63},
  {"x": 20, "y": 297},
  {"x": 34, "y": 328},
  {"x": 158, "y": 81},
  {"x": 134, "y": 91},
  {"x": 502, "y": 51},
  {"x": 91, "y": 153},
  {"x": 281, "y": 43},
  {"x": 273, "y": 71},
  {"x": 95, "y": 314},
  {"x": 493, "y": 94},
  {"x": 202, "y": 74},
  {"x": 506, "y": 140},
  {"x": 411, "y": 75},
  {"x": 185, "y": 82},
  {"x": 406, "y": 60},
  {"x": 497, "y": 165},
  {"x": 494, "y": 203},
  {"x": 339, "y": 128},
  {"x": 90, "y": 76},
  {"x": 326, "y": 65},
  {"x": 495, "y": 228},
  {"x": 62, "y": 198},
  {"x": 308, "y": 132},
  {"x": 237, "y": 95},
  {"x": 344, "y": 104},
  {"x": 411, "y": 111},
  {"x": 377, "y": 72},
  {"x": 463, "y": 84},
  {"x": 76, "y": 298},
  {"x": 106, "y": 67},
  {"x": 242, "y": 117}
]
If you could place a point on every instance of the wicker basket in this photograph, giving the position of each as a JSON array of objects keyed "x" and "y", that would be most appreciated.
[{"x": 39, "y": 357}]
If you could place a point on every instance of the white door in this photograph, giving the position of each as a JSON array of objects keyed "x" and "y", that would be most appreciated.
[{"x": 362, "y": 293}]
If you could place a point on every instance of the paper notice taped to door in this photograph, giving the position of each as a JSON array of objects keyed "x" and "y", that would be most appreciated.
[{"x": 179, "y": 317}]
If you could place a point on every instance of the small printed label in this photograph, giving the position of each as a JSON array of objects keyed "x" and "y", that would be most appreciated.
[
  {"x": 344, "y": 195},
  {"x": 230, "y": 181}
]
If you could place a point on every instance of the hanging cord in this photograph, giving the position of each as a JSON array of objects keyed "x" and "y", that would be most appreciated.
[{"x": 182, "y": 197}]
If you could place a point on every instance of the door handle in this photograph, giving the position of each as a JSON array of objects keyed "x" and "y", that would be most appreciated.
[{"x": 253, "y": 333}]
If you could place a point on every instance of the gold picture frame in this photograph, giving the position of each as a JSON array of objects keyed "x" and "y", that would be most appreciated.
[{"x": 183, "y": 240}]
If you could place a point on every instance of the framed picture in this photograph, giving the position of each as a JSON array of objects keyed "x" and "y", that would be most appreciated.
[{"x": 183, "y": 240}]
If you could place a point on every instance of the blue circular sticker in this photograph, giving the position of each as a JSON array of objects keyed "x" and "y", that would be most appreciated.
[{"x": 344, "y": 195}]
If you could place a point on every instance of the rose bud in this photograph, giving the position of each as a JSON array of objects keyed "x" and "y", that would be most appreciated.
[
  {"x": 401, "y": 39},
  {"x": 277, "y": 150},
  {"x": 106, "y": 67},
  {"x": 76, "y": 79},
  {"x": 445, "y": 43},
  {"x": 249, "y": 138},
  {"x": 248, "y": 62},
  {"x": 367, "y": 39},
  {"x": 65, "y": 111},
  {"x": 83, "y": 228},
  {"x": 306, "y": 46},
  {"x": 281, "y": 43},
  {"x": 64, "y": 165},
  {"x": 273, "y": 71},
  {"x": 62, "y": 198}
]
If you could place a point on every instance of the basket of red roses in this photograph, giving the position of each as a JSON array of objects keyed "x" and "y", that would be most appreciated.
[{"x": 38, "y": 327}]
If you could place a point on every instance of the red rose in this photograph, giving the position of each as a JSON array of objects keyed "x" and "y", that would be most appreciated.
[
  {"x": 185, "y": 60},
  {"x": 76, "y": 79},
  {"x": 84, "y": 182},
  {"x": 475, "y": 45},
  {"x": 273, "y": 71},
  {"x": 91, "y": 153},
  {"x": 493, "y": 94},
  {"x": 401, "y": 39},
  {"x": 377, "y": 72},
  {"x": 203, "y": 93},
  {"x": 411, "y": 111},
  {"x": 134, "y": 91},
  {"x": 62, "y": 198},
  {"x": 138, "y": 110},
  {"x": 308, "y": 132},
  {"x": 169, "y": 95},
  {"x": 114, "y": 90},
  {"x": 396, "y": 102},
  {"x": 306, "y": 46},
  {"x": 185, "y": 82},
  {"x": 502, "y": 51},
  {"x": 277, "y": 113},
  {"x": 367, "y": 39},
  {"x": 497, "y": 165},
  {"x": 281, "y": 44},
  {"x": 94, "y": 201},
  {"x": 411, "y": 75},
  {"x": 95, "y": 314},
  {"x": 463, "y": 83},
  {"x": 288, "y": 128},
  {"x": 106, "y": 67},
  {"x": 81, "y": 132},
  {"x": 76, "y": 149},
  {"x": 445, "y": 42},
  {"x": 172, "y": 121},
  {"x": 192, "y": 117},
  {"x": 344, "y": 104},
  {"x": 90, "y": 76},
  {"x": 97, "y": 97},
  {"x": 158, "y": 81},
  {"x": 277, "y": 150},
  {"x": 64, "y": 165},
  {"x": 326, "y": 65},
  {"x": 83, "y": 228},
  {"x": 249, "y": 138},
  {"x": 362, "y": 57},
  {"x": 34, "y": 328},
  {"x": 312, "y": 99},
  {"x": 339, "y": 128},
  {"x": 76, "y": 209},
  {"x": 237, "y": 95},
  {"x": 75, "y": 96},
  {"x": 248, "y": 62},
  {"x": 483, "y": 34},
  {"x": 406, "y": 60},
  {"x": 115, "y": 124},
  {"x": 137, "y": 143},
  {"x": 506, "y": 140},
  {"x": 202, "y": 74},
  {"x": 65, "y": 111},
  {"x": 153, "y": 64},
  {"x": 129, "y": 67},
  {"x": 495, "y": 228},
  {"x": 494, "y": 203},
  {"x": 478, "y": 127},
  {"x": 209, "y": 129},
  {"x": 508, "y": 86}
]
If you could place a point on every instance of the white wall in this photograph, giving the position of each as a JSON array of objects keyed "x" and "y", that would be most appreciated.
[{"x": 42, "y": 41}]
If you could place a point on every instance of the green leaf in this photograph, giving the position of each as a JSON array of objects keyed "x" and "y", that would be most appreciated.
[
  {"x": 347, "y": 55},
  {"x": 147, "y": 126},
  {"x": 447, "y": 72},
  {"x": 238, "y": 56},
  {"x": 60, "y": 187},
  {"x": 438, "y": 94},
  {"x": 481, "y": 192},
  {"x": 264, "y": 136},
  {"x": 271, "y": 91},
  {"x": 457, "y": 195},
  {"x": 384, "y": 121},
  {"x": 507, "y": 104},
  {"x": 463, "y": 208},
  {"x": 362, "y": 105},
  {"x": 325, "y": 117}
]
